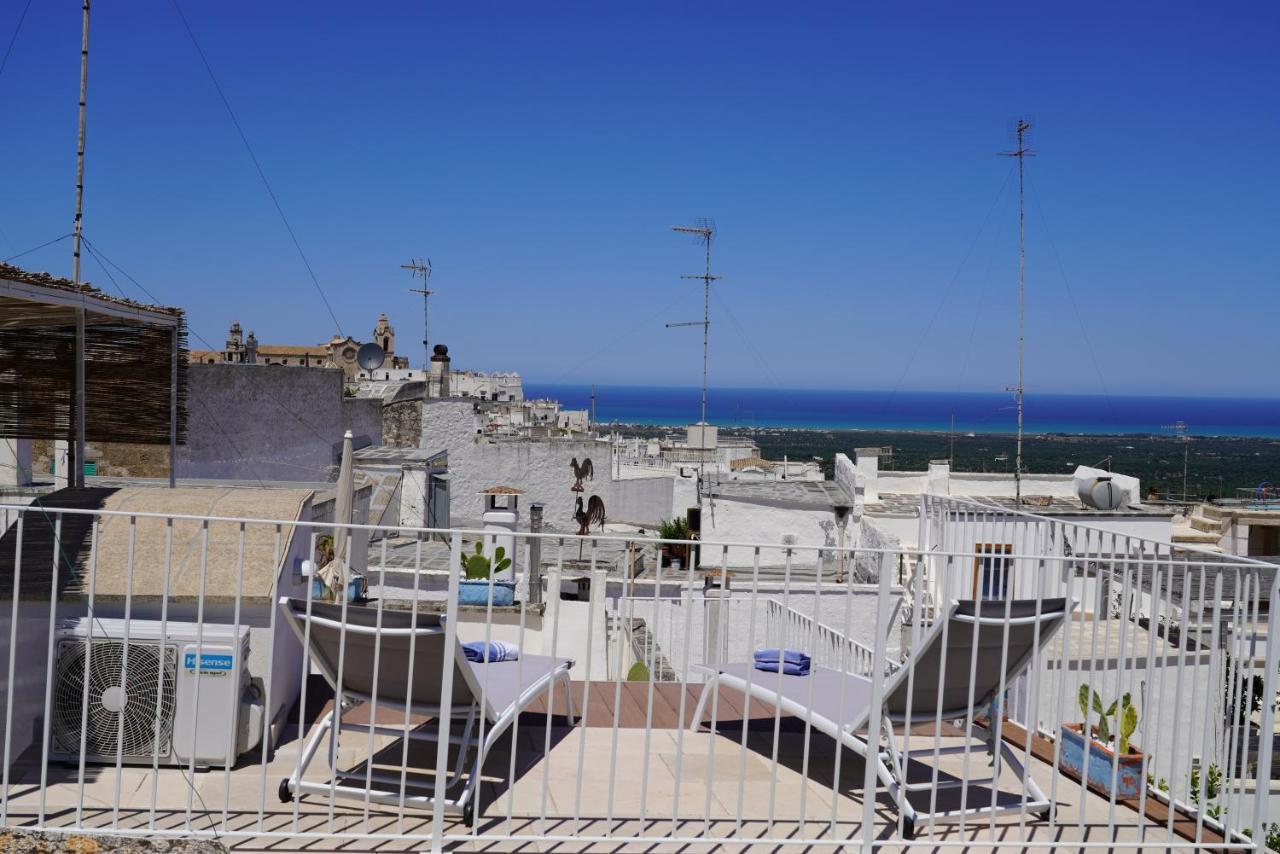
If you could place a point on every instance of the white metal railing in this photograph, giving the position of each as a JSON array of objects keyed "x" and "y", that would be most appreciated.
[
  {"x": 793, "y": 629},
  {"x": 155, "y": 609},
  {"x": 1185, "y": 629},
  {"x": 716, "y": 627}
]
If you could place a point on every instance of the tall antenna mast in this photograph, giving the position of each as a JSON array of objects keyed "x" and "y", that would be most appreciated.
[
  {"x": 422, "y": 268},
  {"x": 1179, "y": 429},
  {"x": 705, "y": 231},
  {"x": 1021, "y": 152},
  {"x": 75, "y": 473}
]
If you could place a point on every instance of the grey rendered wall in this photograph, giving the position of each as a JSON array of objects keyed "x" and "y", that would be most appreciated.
[{"x": 265, "y": 422}]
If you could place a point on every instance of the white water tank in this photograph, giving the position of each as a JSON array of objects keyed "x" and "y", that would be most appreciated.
[{"x": 1104, "y": 490}]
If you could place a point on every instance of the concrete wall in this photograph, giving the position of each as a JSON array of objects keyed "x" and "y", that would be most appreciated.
[
  {"x": 541, "y": 468},
  {"x": 258, "y": 422}
]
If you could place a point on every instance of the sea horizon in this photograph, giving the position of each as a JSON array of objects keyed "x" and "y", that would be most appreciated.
[{"x": 922, "y": 411}]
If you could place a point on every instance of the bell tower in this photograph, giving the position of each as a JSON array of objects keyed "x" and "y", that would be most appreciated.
[
  {"x": 235, "y": 343},
  {"x": 384, "y": 335}
]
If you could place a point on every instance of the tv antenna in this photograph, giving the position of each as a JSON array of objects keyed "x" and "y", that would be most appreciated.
[
  {"x": 704, "y": 230},
  {"x": 1020, "y": 152},
  {"x": 422, "y": 268},
  {"x": 1179, "y": 429}
]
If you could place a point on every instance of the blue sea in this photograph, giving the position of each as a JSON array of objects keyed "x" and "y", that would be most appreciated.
[{"x": 923, "y": 411}]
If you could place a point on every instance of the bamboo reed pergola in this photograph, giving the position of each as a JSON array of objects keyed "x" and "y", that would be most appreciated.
[{"x": 135, "y": 366}]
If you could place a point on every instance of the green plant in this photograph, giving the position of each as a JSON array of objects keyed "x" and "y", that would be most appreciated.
[
  {"x": 1212, "y": 788},
  {"x": 476, "y": 566},
  {"x": 1123, "y": 711},
  {"x": 1272, "y": 837},
  {"x": 639, "y": 672},
  {"x": 673, "y": 529},
  {"x": 1242, "y": 694}
]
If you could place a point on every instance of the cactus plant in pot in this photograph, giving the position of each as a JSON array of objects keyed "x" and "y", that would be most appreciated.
[
  {"x": 476, "y": 585},
  {"x": 1114, "y": 764}
]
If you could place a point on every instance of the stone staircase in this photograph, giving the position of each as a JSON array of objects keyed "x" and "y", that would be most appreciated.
[{"x": 1204, "y": 528}]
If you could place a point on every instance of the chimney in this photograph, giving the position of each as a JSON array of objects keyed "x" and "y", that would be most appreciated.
[
  {"x": 439, "y": 379},
  {"x": 868, "y": 462},
  {"x": 938, "y": 481}
]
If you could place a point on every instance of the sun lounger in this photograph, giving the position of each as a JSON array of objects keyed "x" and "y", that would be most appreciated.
[
  {"x": 404, "y": 661},
  {"x": 933, "y": 684}
]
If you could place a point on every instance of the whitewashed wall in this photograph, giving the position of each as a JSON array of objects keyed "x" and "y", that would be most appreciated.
[{"x": 540, "y": 468}]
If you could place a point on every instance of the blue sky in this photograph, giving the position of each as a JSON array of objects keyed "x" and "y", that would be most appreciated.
[{"x": 539, "y": 152}]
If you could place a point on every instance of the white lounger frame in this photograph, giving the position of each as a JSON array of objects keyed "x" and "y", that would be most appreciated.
[
  {"x": 331, "y": 725},
  {"x": 891, "y": 762}
]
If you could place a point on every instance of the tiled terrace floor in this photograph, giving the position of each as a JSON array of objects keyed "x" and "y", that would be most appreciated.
[{"x": 695, "y": 785}]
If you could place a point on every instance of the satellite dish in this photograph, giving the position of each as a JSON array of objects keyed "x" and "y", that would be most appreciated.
[{"x": 370, "y": 356}]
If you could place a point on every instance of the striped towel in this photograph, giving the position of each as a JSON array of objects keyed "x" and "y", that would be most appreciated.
[
  {"x": 791, "y": 662},
  {"x": 498, "y": 651}
]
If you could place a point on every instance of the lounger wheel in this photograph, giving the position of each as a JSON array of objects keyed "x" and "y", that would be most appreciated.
[
  {"x": 285, "y": 793},
  {"x": 469, "y": 812},
  {"x": 1045, "y": 813},
  {"x": 908, "y": 828}
]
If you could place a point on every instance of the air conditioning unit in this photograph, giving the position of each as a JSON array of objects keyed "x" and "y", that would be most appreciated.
[{"x": 150, "y": 696}]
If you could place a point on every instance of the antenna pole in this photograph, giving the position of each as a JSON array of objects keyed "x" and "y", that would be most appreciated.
[
  {"x": 75, "y": 475},
  {"x": 705, "y": 231},
  {"x": 1179, "y": 429},
  {"x": 706, "y": 326},
  {"x": 418, "y": 268},
  {"x": 1021, "y": 152},
  {"x": 953, "y": 441}
]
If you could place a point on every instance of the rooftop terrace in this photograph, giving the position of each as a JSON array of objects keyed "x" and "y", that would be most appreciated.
[{"x": 660, "y": 757}]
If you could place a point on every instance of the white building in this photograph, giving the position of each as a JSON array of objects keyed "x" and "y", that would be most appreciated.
[{"x": 495, "y": 386}]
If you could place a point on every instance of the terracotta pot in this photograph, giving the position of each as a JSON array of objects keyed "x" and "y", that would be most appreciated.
[{"x": 1104, "y": 763}]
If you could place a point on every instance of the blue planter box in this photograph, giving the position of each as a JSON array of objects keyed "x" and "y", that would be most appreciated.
[
  {"x": 477, "y": 592},
  {"x": 1103, "y": 763},
  {"x": 357, "y": 589}
]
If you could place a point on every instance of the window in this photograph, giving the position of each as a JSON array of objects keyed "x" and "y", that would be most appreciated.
[{"x": 992, "y": 569}]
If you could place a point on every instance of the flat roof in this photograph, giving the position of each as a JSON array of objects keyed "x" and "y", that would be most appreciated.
[
  {"x": 108, "y": 565},
  {"x": 796, "y": 494},
  {"x": 388, "y": 455},
  {"x": 908, "y": 503}
]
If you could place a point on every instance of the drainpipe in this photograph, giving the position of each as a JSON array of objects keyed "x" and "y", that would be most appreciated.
[{"x": 534, "y": 570}]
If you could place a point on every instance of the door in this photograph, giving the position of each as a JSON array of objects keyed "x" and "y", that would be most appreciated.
[
  {"x": 437, "y": 501},
  {"x": 992, "y": 571}
]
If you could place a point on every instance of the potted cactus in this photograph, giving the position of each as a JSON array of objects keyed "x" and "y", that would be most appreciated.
[
  {"x": 1111, "y": 754},
  {"x": 476, "y": 587}
]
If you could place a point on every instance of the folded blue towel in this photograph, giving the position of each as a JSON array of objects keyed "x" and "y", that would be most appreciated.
[
  {"x": 791, "y": 662},
  {"x": 498, "y": 651}
]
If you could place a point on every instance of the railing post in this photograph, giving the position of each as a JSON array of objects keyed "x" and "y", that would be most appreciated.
[
  {"x": 1262, "y": 786},
  {"x": 874, "y": 723},
  {"x": 446, "y": 699}
]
